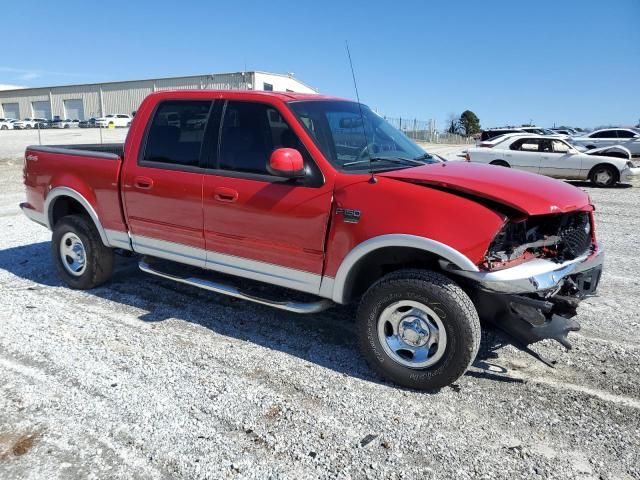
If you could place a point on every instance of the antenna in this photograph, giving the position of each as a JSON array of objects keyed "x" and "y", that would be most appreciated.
[{"x": 364, "y": 130}]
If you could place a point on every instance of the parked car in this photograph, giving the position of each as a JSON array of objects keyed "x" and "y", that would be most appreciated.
[
  {"x": 6, "y": 123},
  {"x": 565, "y": 131},
  {"x": 557, "y": 158},
  {"x": 91, "y": 123},
  {"x": 28, "y": 123},
  {"x": 314, "y": 204},
  {"x": 60, "y": 123},
  {"x": 626, "y": 137},
  {"x": 116, "y": 120}
]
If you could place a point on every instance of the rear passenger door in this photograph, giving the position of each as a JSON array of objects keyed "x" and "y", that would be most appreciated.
[
  {"x": 524, "y": 154},
  {"x": 258, "y": 225},
  {"x": 162, "y": 188}
]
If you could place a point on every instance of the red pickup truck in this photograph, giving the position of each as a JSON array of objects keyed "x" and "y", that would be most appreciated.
[{"x": 323, "y": 199}]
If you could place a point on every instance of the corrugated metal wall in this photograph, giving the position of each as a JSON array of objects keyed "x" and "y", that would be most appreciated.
[{"x": 124, "y": 97}]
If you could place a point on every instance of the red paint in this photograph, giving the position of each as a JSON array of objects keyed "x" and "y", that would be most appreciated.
[
  {"x": 285, "y": 223},
  {"x": 287, "y": 162}
]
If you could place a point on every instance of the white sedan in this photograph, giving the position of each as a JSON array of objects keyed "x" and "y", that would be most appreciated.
[
  {"x": 556, "y": 158},
  {"x": 626, "y": 137},
  {"x": 116, "y": 120},
  {"x": 6, "y": 123}
]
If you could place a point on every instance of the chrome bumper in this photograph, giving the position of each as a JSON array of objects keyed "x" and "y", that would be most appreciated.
[{"x": 534, "y": 276}]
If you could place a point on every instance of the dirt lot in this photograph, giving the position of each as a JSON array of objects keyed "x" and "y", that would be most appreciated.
[{"x": 143, "y": 378}]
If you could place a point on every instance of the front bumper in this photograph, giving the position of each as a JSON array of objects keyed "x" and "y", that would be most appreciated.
[
  {"x": 630, "y": 175},
  {"x": 535, "y": 276},
  {"x": 536, "y": 300}
]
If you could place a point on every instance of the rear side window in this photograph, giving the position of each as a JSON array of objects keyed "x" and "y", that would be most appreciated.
[
  {"x": 604, "y": 134},
  {"x": 176, "y": 133},
  {"x": 526, "y": 145}
]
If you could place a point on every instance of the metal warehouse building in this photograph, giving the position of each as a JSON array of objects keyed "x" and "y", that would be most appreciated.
[{"x": 98, "y": 99}]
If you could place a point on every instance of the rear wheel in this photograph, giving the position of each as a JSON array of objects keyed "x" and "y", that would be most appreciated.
[
  {"x": 418, "y": 328},
  {"x": 80, "y": 257},
  {"x": 604, "y": 176},
  {"x": 4, "y": 127},
  {"x": 500, "y": 163}
]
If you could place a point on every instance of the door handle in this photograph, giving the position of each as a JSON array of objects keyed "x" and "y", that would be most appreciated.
[
  {"x": 144, "y": 183},
  {"x": 227, "y": 195}
]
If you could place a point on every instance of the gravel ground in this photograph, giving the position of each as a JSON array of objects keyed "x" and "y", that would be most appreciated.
[{"x": 143, "y": 378}]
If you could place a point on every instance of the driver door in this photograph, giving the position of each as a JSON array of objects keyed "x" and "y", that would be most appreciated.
[
  {"x": 258, "y": 225},
  {"x": 560, "y": 160}
]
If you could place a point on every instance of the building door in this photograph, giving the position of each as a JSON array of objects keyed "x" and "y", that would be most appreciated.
[
  {"x": 41, "y": 109},
  {"x": 10, "y": 110},
  {"x": 74, "y": 109}
]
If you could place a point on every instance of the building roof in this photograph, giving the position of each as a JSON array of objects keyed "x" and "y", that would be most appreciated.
[{"x": 44, "y": 87}]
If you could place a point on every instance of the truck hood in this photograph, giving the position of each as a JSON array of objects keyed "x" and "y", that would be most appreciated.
[{"x": 527, "y": 192}]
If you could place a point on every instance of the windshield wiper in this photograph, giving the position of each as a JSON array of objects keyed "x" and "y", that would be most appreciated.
[{"x": 398, "y": 160}]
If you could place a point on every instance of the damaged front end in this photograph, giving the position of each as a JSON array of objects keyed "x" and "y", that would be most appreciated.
[{"x": 534, "y": 275}]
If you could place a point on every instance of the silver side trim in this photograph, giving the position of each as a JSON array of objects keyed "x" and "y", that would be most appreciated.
[
  {"x": 34, "y": 215},
  {"x": 219, "y": 262},
  {"x": 395, "y": 240},
  {"x": 297, "y": 307},
  {"x": 118, "y": 239},
  {"x": 73, "y": 151},
  {"x": 69, "y": 192},
  {"x": 533, "y": 276}
]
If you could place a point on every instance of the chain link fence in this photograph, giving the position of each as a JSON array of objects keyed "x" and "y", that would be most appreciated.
[{"x": 426, "y": 131}]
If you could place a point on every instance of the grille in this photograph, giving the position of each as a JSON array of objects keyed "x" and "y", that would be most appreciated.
[{"x": 576, "y": 236}]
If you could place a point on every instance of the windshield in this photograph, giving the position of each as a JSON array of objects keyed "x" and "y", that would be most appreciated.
[{"x": 338, "y": 130}]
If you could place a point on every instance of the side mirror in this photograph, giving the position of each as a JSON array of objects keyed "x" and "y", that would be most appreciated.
[{"x": 286, "y": 162}]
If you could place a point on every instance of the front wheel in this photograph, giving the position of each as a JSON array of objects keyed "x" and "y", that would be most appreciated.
[
  {"x": 604, "y": 176},
  {"x": 80, "y": 257},
  {"x": 418, "y": 328}
]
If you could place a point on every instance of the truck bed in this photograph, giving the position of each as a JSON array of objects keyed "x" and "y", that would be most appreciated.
[{"x": 100, "y": 150}]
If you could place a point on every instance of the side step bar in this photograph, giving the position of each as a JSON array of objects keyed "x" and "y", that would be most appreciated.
[{"x": 297, "y": 307}]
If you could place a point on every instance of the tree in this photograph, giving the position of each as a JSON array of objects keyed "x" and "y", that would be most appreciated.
[
  {"x": 470, "y": 122},
  {"x": 453, "y": 124}
]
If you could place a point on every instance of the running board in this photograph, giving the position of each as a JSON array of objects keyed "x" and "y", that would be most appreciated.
[{"x": 297, "y": 307}]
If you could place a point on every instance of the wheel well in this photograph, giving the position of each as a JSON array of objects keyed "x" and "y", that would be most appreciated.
[
  {"x": 382, "y": 261},
  {"x": 616, "y": 172},
  {"x": 499, "y": 162},
  {"x": 64, "y": 206}
]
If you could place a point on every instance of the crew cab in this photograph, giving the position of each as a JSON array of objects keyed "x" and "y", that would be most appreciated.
[
  {"x": 319, "y": 202},
  {"x": 114, "y": 120}
]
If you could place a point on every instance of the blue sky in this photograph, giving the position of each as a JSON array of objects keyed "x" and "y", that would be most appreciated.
[{"x": 570, "y": 62}]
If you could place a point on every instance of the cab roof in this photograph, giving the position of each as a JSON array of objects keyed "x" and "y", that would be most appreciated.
[{"x": 283, "y": 96}]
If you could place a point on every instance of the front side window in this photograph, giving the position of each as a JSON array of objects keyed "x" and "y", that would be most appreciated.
[
  {"x": 625, "y": 134},
  {"x": 350, "y": 136},
  {"x": 250, "y": 133},
  {"x": 176, "y": 133},
  {"x": 560, "y": 147}
]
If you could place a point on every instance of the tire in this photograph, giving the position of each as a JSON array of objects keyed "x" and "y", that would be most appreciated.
[
  {"x": 603, "y": 176},
  {"x": 4, "y": 127},
  {"x": 500, "y": 163},
  {"x": 66, "y": 126},
  {"x": 447, "y": 307},
  {"x": 97, "y": 266}
]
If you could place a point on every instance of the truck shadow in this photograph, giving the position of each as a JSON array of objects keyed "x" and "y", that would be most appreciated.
[{"x": 327, "y": 339}]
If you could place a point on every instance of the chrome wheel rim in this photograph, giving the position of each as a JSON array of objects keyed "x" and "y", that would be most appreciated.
[
  {"x": 603, "y": 177},
  {"x": 412, "y": 334},
  {"x": 72, "y": 254}
]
